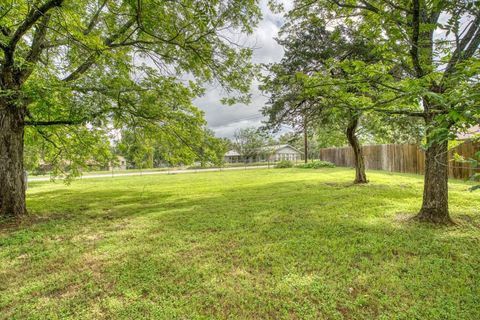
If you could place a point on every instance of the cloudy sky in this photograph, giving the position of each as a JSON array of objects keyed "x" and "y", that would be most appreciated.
[{"x": 224, "y": 120}]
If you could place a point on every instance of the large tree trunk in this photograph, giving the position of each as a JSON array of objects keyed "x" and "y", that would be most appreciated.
[
  {"x": 12, "y": 184},
  {"x": 435, "y": 190},
  {"x": 360, "y": 175}
]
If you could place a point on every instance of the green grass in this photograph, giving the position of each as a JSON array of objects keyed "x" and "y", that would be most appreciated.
[{"x": 255, "y": 244}]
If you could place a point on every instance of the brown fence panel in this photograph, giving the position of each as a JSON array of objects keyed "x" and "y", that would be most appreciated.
[{"x": 407, "y": 158}]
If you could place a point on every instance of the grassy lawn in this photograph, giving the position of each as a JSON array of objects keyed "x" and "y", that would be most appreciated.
[{"x": 256, "y": 244}]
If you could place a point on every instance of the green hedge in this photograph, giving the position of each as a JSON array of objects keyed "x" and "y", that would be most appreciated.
[
  {"x": 284, "y": 164},
  {"x": 316, "y": 165}
]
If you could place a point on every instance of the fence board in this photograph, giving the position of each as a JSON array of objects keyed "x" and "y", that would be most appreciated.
[{"x": 407, "y": 158}]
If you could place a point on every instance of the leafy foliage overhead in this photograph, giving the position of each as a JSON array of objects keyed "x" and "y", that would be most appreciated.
[
  {"x": 103, "y": 64},
  {"x": 426, "y": 57}
]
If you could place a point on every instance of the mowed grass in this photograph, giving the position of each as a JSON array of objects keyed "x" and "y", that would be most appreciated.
[{"x": 256, "y": 244}]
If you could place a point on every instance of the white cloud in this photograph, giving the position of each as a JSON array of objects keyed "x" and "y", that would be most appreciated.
[{"x": 224, "y": 120}]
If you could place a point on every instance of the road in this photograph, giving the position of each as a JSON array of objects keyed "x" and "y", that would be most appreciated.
[{"x": 147, "y": 173}]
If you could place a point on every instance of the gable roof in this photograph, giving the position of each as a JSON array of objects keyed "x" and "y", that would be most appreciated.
[
  {"x": 279, "y": 146},
  {"x": 232, "y": 153}
]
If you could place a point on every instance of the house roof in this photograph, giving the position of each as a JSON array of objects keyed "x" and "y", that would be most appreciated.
[
  {"x": 232, "y": 153},
  {"x": 278, "y": 147}
]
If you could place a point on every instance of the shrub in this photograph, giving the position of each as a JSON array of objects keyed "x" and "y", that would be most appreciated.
[
  {"x": 316, "y": 165},
  {"x": 284, "y": 164}
]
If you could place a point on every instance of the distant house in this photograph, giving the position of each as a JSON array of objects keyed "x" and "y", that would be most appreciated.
[
  {"x": 268, "y": 153},
  {"x": 233, "y": 156},
  {"x": 470, "y": 133},
  {"x": 120, "y": 164}
]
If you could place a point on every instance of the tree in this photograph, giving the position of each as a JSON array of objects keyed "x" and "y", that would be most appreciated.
[
  {"x": 428, "y": 69},
  {"x": 211, "y": 150},
  {"x": 94, "y": 65},
  {"x": 327, "y": 135},
  {"x": 149, "y": 147},
  {"x": 310, "y": 48},
  {"x": 250, "y": 143},
  {"x": 66, "y": 150},
  {"x": 137, "y": 148}
]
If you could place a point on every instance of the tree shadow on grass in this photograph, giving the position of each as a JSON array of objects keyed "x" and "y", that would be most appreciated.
[
  {"x": 302, "y": 254},
  {"x": 298, "y": 248}
]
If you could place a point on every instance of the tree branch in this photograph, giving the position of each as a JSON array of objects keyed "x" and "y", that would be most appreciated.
[
  {"x": 94, "y": 20},
  {"x": 366, "y": 6},
  {"x": 401, "y": 112},
  {"x": 395, "y": 6},
  {"x": 40, "y": 123},
  {"x": 466, "y": 48},
  {"x": 81, "y": 69},
  {"x": 36, "y": 47},
  {"x": 54, "y": 122},
  {"x": 415, "y": 37},
  {"x": 38, "y": 39},
  {"x": 33, "y": 16}
]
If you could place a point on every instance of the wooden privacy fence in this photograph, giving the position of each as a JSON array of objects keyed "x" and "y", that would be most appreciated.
[{"x": 407, "y": 158}]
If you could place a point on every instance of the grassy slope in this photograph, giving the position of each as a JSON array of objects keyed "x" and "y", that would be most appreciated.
[{"x": 252, "y": 244}]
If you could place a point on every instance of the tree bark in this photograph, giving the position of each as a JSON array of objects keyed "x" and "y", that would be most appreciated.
[
  {"x": 435, "y": 190},
  {"x": 360, "y": 175},
  {"x": 12, "y": 184}
]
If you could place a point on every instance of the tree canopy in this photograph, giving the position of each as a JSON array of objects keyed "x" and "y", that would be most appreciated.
[
  {"x": 72, "y": 70},
  {"x": 420, "y": 59}
]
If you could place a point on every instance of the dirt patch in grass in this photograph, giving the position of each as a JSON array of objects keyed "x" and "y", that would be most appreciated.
[{"x": 465, "y": 220}]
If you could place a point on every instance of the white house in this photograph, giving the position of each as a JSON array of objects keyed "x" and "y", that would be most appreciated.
[
  {"x": 268, "y": 153},
  {"x": 120, "y": 164},
  {"x": 232, "y": 156}
]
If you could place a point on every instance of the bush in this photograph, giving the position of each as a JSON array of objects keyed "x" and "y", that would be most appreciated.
[
  {"x": 284, "y": 164},
  {"x": 316, "y": 165}
]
